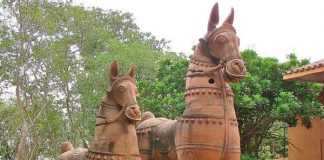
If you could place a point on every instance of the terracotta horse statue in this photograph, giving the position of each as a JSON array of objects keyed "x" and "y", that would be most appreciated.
[
  {"x": 115, "y": 135},
  {"x": 208, "y": 128}
]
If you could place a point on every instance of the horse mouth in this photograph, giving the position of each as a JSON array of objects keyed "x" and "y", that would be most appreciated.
[{"x": 133, "y": 113}]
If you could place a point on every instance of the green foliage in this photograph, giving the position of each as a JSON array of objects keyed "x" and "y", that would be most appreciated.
[
  {"x": 247, "y": 157},
  {"x": 163, "y": 94},
  {"x": 9, "y": 123}
]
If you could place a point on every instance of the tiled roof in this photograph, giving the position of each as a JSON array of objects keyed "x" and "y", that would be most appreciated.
[{"x": 314, "y": 65}]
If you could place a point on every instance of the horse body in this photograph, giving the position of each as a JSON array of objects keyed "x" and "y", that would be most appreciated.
[
  {"x": 69, "y": 153},
  {"x": 156, "y": 138},
  {"x": 115, "y": 134},
  {"x": 208, "y": 128}
]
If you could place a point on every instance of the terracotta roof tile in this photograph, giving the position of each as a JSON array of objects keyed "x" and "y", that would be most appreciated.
[{"x": 314, "y": 65}]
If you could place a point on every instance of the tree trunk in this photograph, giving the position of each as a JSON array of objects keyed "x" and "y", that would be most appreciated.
[
  {"x": 22, "y": 143},
  {"x": 24, "y": 125}
]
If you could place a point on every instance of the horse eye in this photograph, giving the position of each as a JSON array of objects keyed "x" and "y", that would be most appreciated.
[{"x": 221, "y": 39}]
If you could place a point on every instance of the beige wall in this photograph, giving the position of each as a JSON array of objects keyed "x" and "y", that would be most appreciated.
[{"x": 306, "y": 144}]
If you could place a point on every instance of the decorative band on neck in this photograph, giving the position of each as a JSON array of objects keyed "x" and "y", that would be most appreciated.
[{"x": 203, "y": 64}]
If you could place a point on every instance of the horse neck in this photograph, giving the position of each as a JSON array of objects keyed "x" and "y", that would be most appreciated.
[
  {"x": 108, "y": 107},
  {"x": 204, "y": 92},
  {"x": 200, "y": 56}
]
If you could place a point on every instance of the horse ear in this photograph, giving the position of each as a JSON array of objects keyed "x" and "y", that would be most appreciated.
[
  {"x": 230, "y": 18},
  {"x": 213, "y": 18},
  {"x": 113, "y": 74},
  {"x": 131, "y": 71}
]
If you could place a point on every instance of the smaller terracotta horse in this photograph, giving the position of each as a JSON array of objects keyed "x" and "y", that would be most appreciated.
[{"x": 115, "y": 134}]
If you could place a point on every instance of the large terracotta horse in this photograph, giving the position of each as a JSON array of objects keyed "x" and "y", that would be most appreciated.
[
  {"x": 115, "y": 134},
  {"x": 208, "y": 128}
]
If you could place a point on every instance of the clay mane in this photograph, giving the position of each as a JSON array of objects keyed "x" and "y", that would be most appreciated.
[
  {"x": 208, "y": 128},
  {"x": 115, "y": 134}
]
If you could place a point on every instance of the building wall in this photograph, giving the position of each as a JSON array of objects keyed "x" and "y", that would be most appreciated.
[{"x": 306, "y": 143}]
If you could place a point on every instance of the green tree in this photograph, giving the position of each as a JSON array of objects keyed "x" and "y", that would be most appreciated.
[
  {"x": 263, "y": 99},
  {"x": 163, "y": 94}
]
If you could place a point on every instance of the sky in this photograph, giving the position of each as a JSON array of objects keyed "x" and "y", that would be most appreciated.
[{"x": 272, "y": 28}]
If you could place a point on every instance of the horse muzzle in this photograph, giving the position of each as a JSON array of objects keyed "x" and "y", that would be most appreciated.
[
  {"x": 133, "y": 112},
  {"x": 235, "y": 70}
]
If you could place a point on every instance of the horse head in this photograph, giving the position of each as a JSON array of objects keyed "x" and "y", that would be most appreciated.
[
  {"x": 122, "y": 91},
  {"x": 221, "y": 46}
]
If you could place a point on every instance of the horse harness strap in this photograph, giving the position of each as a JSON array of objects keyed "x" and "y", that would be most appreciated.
[
  {"x": 226, "y": 120},
  {"x": 115, "y": 117},
  {"x": 109, "y": 105}
]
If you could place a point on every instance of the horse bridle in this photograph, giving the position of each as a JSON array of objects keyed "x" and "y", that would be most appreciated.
[
  {"x": 116, "y": 116},
  {"x": 210, "y": 71}
]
